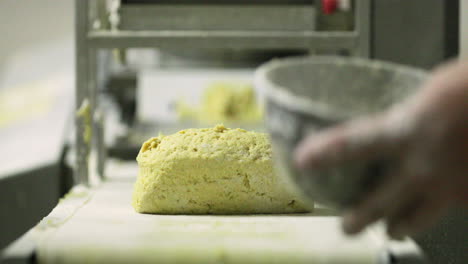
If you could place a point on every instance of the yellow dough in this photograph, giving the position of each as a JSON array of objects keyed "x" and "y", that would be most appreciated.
[
  {"x": 224, "y": 102},
  {"x": 210, "y": 171}
]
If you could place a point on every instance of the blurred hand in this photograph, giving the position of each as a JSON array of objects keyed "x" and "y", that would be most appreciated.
[{"x": 428, "y": 134}]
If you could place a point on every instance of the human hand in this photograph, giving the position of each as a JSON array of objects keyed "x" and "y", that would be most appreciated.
[{"x": 427, "y": 135}]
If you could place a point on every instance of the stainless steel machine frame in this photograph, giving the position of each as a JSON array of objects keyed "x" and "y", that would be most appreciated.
[{"x": 120, "y": 27}]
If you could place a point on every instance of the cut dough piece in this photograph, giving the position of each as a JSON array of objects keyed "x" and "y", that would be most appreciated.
[
  {"x": 224, "y": 102},
  {"x": 210, "y": 171}
]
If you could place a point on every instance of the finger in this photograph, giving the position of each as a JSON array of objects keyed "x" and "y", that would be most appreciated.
[
  {"x": 360, "y": 139},
  {"x": 373, "y": 207},
  {"x": 419, "y": 186},
  {"x": 393, "y": 198},
  {"x": 355, "y": 221},
  {"x": 403, "y": 210},
  {"x": 317, "y": 149},
  {"x": 421, "y": 217},
  {"x": 407, "y": 199}
]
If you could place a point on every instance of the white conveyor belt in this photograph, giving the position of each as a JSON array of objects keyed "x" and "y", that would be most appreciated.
[{"x": 100, "y": 226}]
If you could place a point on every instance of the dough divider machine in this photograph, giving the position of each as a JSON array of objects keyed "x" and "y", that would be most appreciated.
[
  {"x": 219, "y": 30},
  {"x": 182, "y": 25}
]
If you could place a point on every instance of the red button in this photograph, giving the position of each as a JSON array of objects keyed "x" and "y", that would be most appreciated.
[{"x": 329, "y": 6}]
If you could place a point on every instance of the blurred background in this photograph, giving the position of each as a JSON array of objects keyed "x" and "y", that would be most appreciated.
[
  {"x": 145, "y": 90},
  {"x": 32, "y": 32},
  {"x": 36, "y": 100}
]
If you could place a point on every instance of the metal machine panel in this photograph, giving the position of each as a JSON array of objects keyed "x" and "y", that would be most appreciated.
[
  {"x": 217, "y": 17},
  {"x": 418, "y": 32}
]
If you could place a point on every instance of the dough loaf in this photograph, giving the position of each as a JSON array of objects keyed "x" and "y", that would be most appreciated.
[{"x": 210, "y": 171}]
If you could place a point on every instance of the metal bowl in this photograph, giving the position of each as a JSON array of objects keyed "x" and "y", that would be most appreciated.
[{"x": 306, "y": 94}]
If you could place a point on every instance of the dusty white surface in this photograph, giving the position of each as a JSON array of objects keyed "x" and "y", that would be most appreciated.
[
  {"x": 105, "y": 228},
  {"x": 99, "y": 226}
]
